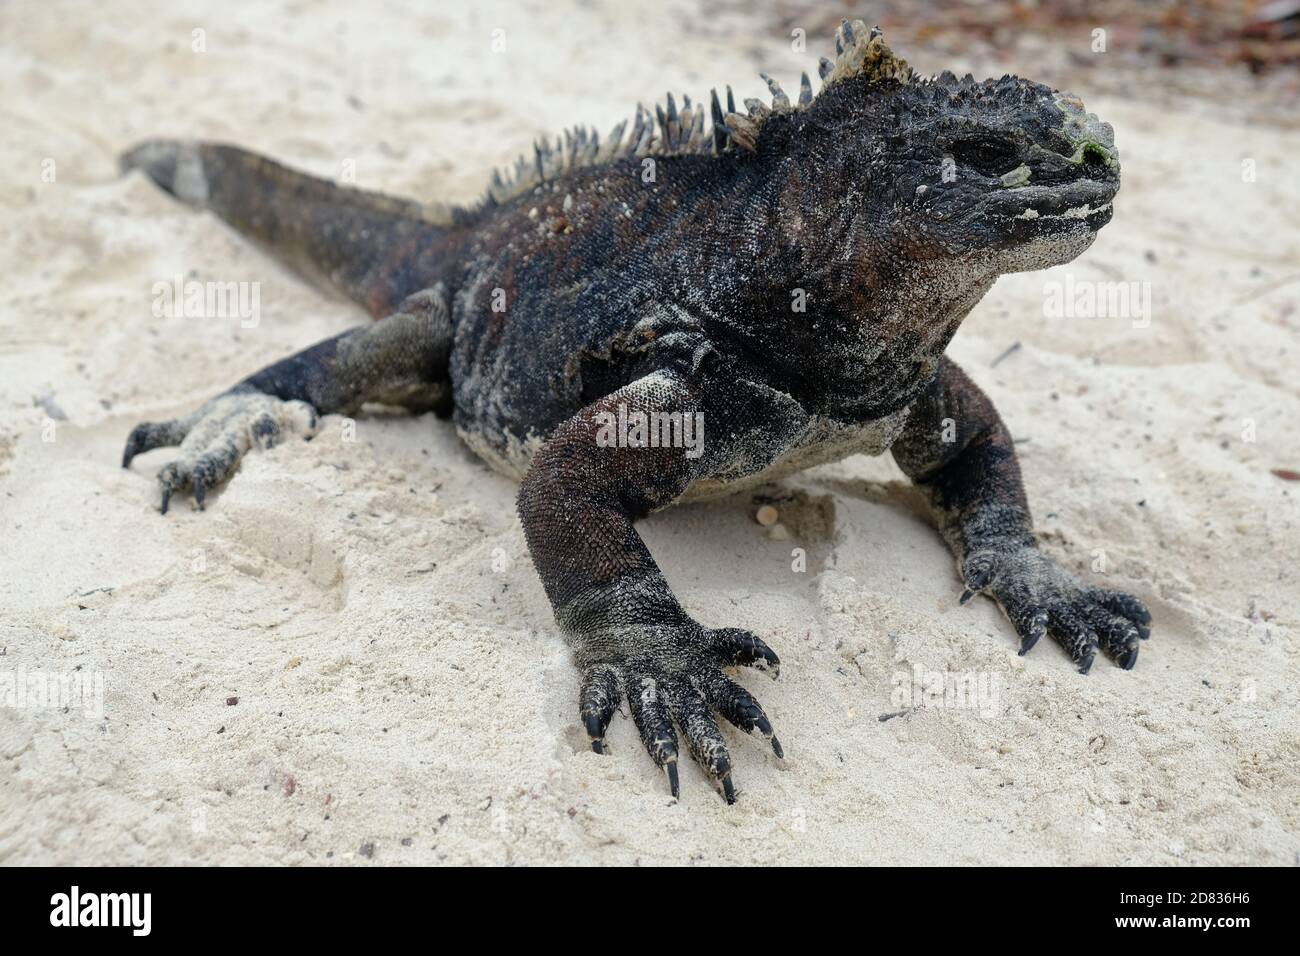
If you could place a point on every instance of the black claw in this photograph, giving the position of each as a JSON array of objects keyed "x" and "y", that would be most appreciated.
[
  {"x": 671, "y": 769},
  {"x": 776, "y": 747},
  {"x": 200, "y": 492},
  {"x": 1144, "y": 632},
  {"x": 596, "y": 732},
  {"x": 136, "y": 442},
  {"x": 166, "y": 499},
  {"x": 1085, "y": 665},
  {"x": 1028, "y": 641},
  {"x": 728, "y": 790},
  {"x": 1128, "y": 658},
  {"x": 965, "y": 596}
]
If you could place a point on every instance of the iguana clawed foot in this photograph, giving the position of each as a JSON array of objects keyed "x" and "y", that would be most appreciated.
[
  {"x": 1039, "y": 597},
  {"x": 214, "y": 439},
  {"x": 681, "y": 683}
]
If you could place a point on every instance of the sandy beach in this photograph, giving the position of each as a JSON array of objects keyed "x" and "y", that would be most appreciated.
[{"x": 349, "y": 659}]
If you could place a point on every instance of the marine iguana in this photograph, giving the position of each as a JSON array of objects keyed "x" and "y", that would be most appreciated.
[{"x": 790, "y": 276}]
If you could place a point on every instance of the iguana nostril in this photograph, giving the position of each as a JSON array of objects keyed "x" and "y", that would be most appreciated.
[{"x": 1095, "y": 159}]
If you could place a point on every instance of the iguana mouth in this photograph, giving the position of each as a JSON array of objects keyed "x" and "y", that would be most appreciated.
[
  {"x": 1062, "y": 206},
  {"x": 1086, "y": 212}
]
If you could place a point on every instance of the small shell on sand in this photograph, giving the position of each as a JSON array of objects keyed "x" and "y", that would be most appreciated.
[{"x": 767, "y": 516}]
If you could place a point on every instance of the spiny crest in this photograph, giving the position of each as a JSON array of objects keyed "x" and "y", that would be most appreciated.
[
  {"x": 666, "y": 132},
  {"x": 858, "y": 52},
  {"x": 948, "y": 93},
  {"x": 670, "y": 132},
  {"x": 862, "y": 52}
]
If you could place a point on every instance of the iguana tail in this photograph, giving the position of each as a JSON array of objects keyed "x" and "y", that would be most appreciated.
[{"x": 375, "y": 249}]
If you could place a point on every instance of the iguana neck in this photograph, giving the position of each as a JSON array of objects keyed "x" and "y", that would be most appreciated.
[{"x": 841, "y": 303}]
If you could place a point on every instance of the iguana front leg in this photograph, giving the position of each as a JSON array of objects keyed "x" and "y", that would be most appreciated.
[
  {"x": 400, "y": 360},
  {"x": 630, "y": 636},
  {"x": 959, "y": 453}
]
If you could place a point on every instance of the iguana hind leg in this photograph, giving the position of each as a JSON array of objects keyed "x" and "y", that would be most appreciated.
[
  {"x": 400, "y": 360},
  {"x": 959, "y": 453}
]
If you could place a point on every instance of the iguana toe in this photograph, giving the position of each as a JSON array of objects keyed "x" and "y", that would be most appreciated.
[
  {"x": 150, "y": 435},
  {"x": 1040, "y": 597},
  {"x": 215, "y": 438},
  {"x": 739, "y": 648},
  {"x": 598, "y": 699}
]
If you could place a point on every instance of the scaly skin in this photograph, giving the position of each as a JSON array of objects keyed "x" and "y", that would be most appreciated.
[{"x": 792, "y": 276}]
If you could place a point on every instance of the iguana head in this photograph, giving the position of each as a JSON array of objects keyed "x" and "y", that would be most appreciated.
[
  {"x": 1005, "y": 166},
  {"x": 1008, "y": 171}
]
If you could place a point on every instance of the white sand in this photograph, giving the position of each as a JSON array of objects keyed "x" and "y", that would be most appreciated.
[{"x": 371, "y": 603}]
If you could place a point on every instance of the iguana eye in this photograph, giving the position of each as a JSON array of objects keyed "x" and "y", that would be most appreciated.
[{"x": 989, "y": 156}]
